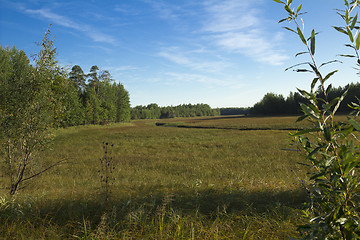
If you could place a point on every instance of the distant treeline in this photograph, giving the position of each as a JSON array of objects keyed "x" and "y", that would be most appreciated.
[
  {"x": 234, "y": 111},
  {"x": 276, "y": 104},
  {"x": 153, "y": 111}
]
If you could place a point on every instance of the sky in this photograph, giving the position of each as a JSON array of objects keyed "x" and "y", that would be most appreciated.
[{"x": 225, "y": 53}]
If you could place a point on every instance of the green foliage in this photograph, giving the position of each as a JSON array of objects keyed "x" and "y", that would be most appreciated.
[
  {"x": 122, "y": 103},
  {"x": 277, "y": 105},
  {"x": 233, "y": 111},
  {"x": 31, "y": 101},
  {"x": 104, "y": 101},
  {"x": 153, "y": 111},
  {"x": 270, "y": 104},
  {"x": 36, "y": 99},
  {"x": 77, "y": 78},
  {"x": 331, "y": 147},
  {"x": 99, "y": 99}
]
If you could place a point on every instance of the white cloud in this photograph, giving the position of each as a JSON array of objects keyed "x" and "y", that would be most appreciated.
[
  {"x": 165, "y": 10},
  {"x": 173, "y": 55},
  {"x": 125, "y": 68},
  {"x": 211, "y": 82},
  {"x": 252, "y": 44},
  {"x": 94, "y": 34},
  {"x": 235, "y": 26},
  {"x": 193, "y": 59},
  {"x": 229, "y": 15}
]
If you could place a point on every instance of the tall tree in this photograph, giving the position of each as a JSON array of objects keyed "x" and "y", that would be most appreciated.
[
  {"x": 30, "y": 105},
  {"x": 122, "y": 103},
  {"x": 94, "y": 81},
  {"x": 77, "y": 78}
]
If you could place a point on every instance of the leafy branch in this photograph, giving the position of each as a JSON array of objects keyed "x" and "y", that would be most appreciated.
[{"x": 328, "y": 146}]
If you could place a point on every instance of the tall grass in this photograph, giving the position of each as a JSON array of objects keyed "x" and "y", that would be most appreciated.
[{"x": 171, "y": 183}]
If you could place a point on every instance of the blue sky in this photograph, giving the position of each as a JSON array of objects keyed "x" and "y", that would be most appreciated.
[{"x": 226, "y": 53}]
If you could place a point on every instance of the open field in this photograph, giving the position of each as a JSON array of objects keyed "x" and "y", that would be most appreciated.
[{"x": 171, "y": 183}]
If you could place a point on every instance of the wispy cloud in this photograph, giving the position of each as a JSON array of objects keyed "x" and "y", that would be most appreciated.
[
  {"x": 126, "y": 9},
  {"x": 126, "y": 68},
  {"x": 235, "y": 26},
  {"x": 252, "y": 44},
  {"x": 192, "y": 59},
  {"x": 64, "y": 21},
  {"x": 211, "y": 82},
  {"x": 230, "y": 15},
  {"x": 165, "y": 10}
]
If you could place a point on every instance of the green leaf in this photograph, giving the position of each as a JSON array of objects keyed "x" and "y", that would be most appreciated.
[
  {"x": 298, "y": 9},
  {"x": 300, "y": 53},
  {"x": 309, "y": 111},
  {"x": 350, "y": 46},
  {"x": 347, "y": 130},
  {"x": 282, "y": 20},
  {"x": 319, "y": 175},
  {"x": 329, "y": 161},
  {"x": 358, "y": 42},
  {"x": 291, "y": 30},
  {"x": 332, "y": 102},
  {"x": 299, "y": 64},
  {"x": 339, "y": 29},
  {"x": 287, "y": 8},
  {"x": 306, "y": 94},
  {"x": 328, "y": 89},
  {"x": 355, "y": 3},
  {"x": 354, "y": 124},
  {"x": 352, "y": 163},
  {"x": 347, "y": 55},
  {"x": 329, "y": 75},
  {"x": 316, "y": 71},
  {"x": 327, "y": 134},
  {"x": 314, "y": 83},
  {"x": 304, "y": 164},
  {"x": 312, "y": 42},
  {"x": 318, "y": 191},
  {"x": 302, "y": 70},
  {"x": 302, "y": 132},
  {"x": 278, "y": 1},
  {"x": 349, "y": 33},
  {"x": 301, "y": 118},
  {"x": 354, "y": 22},
  {"x": 299, "y": 32},
  {"x": 326, "y": 63}
]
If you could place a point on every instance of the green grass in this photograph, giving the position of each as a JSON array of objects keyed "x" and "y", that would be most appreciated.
[{"x": 171, "y": 183}]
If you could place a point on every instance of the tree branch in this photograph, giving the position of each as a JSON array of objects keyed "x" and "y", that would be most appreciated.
[{"x": 42, "y": 171}]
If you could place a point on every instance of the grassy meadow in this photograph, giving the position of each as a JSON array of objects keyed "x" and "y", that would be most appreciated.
[{"x": 235, "y": 178}]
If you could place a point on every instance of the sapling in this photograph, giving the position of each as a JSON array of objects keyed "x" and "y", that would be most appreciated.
[
  {"x": 30, "y": 104},
  {"x": 331, "y": 147}
]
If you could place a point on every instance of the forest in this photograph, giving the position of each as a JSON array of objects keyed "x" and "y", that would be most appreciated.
[
  {"x": 153, "y": 111},
  {"x": 276, "y": 104},
  {"x": 75, "y": 98}
]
